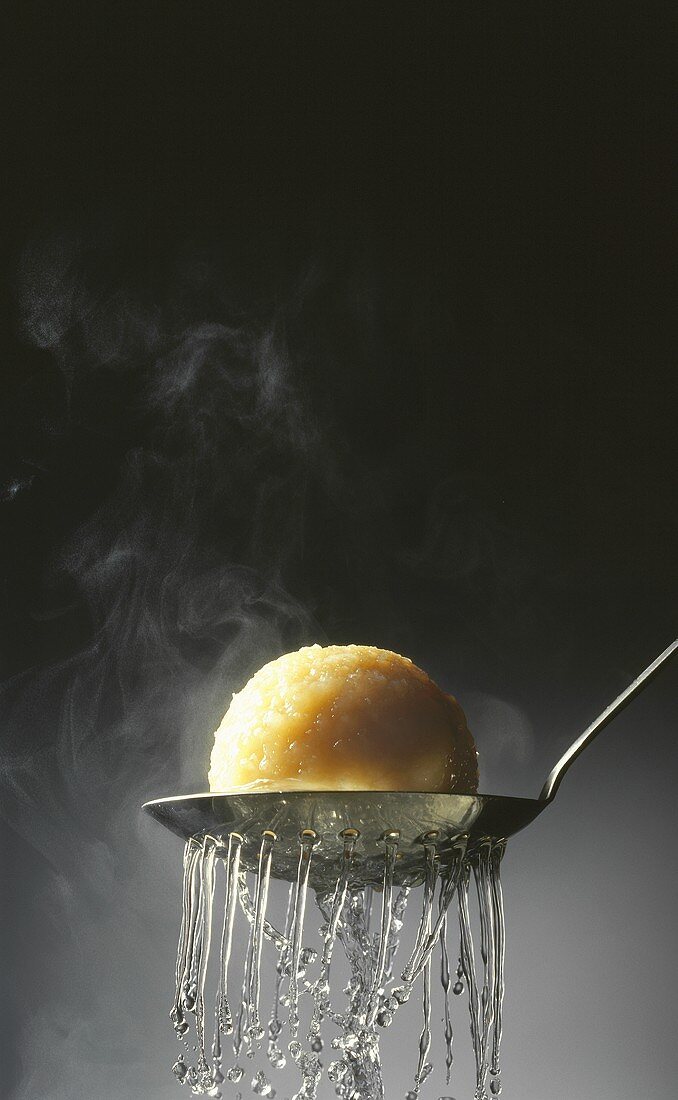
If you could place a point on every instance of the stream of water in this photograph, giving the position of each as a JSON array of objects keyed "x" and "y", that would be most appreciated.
[{"x": 341, "y": 1041}]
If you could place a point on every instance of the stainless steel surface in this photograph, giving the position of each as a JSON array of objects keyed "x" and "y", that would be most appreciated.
[
  {"x": 414, "y": 814},
  {"x": 555, "y": 776}
]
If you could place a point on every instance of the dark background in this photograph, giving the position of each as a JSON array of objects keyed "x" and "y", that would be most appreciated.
[{"x": 330, "y": 322}]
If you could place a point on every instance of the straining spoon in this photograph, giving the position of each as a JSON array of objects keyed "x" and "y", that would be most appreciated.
[{"x": 415, "y": 815}]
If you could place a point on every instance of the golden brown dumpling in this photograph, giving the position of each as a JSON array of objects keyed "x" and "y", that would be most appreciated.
[{"x": 349, "y": 717}]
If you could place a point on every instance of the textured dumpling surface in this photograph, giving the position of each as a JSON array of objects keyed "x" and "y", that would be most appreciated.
[{"x": 347, "y": 717}]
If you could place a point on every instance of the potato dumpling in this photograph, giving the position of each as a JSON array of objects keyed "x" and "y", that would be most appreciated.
[{"x": 343, "y": 717}]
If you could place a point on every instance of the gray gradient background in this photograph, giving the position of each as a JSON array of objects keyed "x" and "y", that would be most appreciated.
[{"x": 326, "y": 324}]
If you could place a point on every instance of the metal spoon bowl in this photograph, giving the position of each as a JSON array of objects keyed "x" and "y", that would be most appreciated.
[{"x": 418, "y": 816}]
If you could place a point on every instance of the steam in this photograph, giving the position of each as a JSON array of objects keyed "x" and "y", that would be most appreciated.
[
  {"x": 179, "y": 615},
  {"x": 179, "y": 577}
]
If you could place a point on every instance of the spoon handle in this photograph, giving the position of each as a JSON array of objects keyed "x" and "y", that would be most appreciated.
[{"x": 556, "y": 774}]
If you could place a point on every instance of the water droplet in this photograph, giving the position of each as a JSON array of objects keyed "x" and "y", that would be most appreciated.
[
  {"x": 181, "y": 1027},
  {"x": 384, "y": 1018},
  {"x": 495, "y": 1086},
  {"x": 308, "y": 956},
  {"x": 402, "y": 994},
  {"x": 425, "y": 1072},
  {"x": 235, "y": 1073},
  {"x": 261, "y": 1084},
  {"x": 180, "y": 1069},
  {"x": 336, "y": 1071},
  {"x": 276, "y": 1056},
  {"x": 457, "y": 988},
  {"x": 317, "y": 1045}
]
